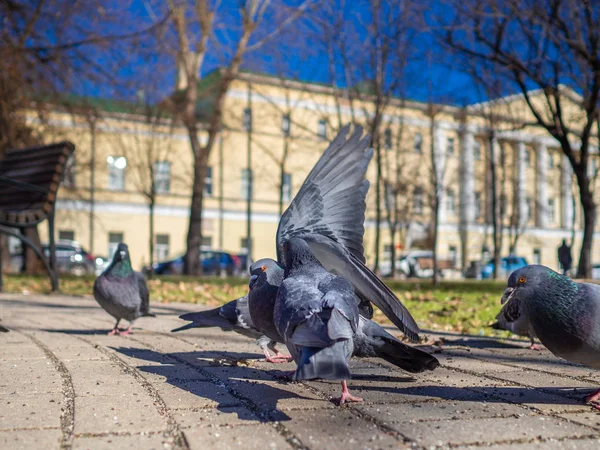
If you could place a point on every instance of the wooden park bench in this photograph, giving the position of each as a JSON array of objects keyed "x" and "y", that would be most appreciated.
[{"x": 29, "y": 181}]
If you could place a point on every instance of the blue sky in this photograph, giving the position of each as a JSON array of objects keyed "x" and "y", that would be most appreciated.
[{"x": 298, "y": 52}]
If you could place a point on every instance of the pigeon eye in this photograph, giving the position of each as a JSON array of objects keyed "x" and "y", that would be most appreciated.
[
  {"x": 522, "y": 280},
  {"x": 264, "y": 268}
]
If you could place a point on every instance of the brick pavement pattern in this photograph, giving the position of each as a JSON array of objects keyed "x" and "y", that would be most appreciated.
[{"x": 65, "y": 384}]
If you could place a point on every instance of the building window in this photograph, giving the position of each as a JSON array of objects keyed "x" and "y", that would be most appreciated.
[
  {"x": 476, "y": 150},
  {"x": 322, "y": 129},
  {"x": 246, "y": 184},
  {"x": 418, "y": 143},
  {"x": 389, "y": 194},
  {"x": 206, "y": 242},
  {"x": 527, "y": 158},
  {"x": 286, "y": 124},
  {"x": 387, "y": 138},
  {"x": 450, "y": 146},
  {"x": 287, "y": 187},
  {"x": 537, "y": 256},
  {"x": 550, "y": 161},
  {"x": 502, "y": 154},
  {"x": 453, "y": 255},
  {"x": 68, "y": 175},
  {"x": 477, "y": 205},
  {"x": 162, "y": 176},
  {"x": 114, "y": 239},
  {"x": 161, "y": 249},
  {"x": 116, "y": 172},
  {"x": 66, "y": 235},
  {"x": 551, "y": 210},
  {"x": 208, "y": 182},
  {"x": 244, "y": 245},
  {"x": 530, "y": 208},
  {"x": 593, "y": 166},
  {"x": 450, "y": 202},
  {"x": 418, "y": 200},
  {"x": 247, "y": 119}
]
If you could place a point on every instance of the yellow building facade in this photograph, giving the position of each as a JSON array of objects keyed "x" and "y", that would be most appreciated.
[{"x": 282, "y": 123}]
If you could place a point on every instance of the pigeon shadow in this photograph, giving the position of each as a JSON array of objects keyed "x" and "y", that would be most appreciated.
[
  {"x": 219, "y": 378},
  {"x": 81, "y": 332}
]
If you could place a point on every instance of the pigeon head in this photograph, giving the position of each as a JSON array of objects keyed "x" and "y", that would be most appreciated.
[
  {"x": 531, "y": 281},
  {"x": 122, "y": 252},
  {"x": 121, "y": 263},
  {"x": 265, "y": 272}
]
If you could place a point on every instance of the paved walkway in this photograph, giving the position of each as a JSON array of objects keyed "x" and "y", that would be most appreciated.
[{"x": 65, "y": 384}]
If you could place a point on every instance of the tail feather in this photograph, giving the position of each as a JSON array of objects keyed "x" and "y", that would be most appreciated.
[
  {"x": 387, "y": 347},
  {"x": 205, "y": 319},
  {"x": 329, "y": 363}
]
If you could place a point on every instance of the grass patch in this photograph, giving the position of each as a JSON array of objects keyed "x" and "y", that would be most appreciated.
[{"x": 459, "y": 306}]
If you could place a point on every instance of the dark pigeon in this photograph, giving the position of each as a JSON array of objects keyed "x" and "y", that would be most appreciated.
[
  {"x": 122, "y": 292},
  {"x": 234, "y": 316},
  {"x": 563, "y": 314},
  {"x": 329, "y": 213},
  {"x": 317, "y": 315}
]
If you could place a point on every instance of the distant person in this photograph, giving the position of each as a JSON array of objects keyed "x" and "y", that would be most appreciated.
[{"x": 564, "y": 257}]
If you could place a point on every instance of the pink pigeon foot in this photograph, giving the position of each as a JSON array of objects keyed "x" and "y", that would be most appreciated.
[
  {"x": 346, "y": 396},
  {"x": 277, "y": 358},
  {"x": 593, "y": 397},
  {"x": 536, "y": 347},
  {"x": 127, "y": 332},
  {"x": 114, "y": 331}
]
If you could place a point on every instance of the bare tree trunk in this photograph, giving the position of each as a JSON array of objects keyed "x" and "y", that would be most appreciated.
[
  {"x": 436, "y": 199},
  {"x": 584, "y": 270},
  {"x": 151, "y": 241},
  {"x": 377, "y": 205},
  {"x": 33, "y": 264},
  {"x": 496, "y": 226},
  {"x": 192, "y": 264}
]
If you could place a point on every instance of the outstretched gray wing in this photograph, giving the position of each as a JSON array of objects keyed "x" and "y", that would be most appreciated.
[
  {"x": 331, "y": 200},
  {"x": 329, "y": 214}
]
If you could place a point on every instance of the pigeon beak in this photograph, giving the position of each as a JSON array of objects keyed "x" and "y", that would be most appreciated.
[
  {"x": 508, "y": 294},
  {"x": 253, "y": 279},
  {"x": 123, "y": 254}
]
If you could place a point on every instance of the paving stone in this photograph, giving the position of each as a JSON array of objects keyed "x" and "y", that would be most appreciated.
[
  {"x": 30, "y": 439},
  {"x": 20, "y": 352},
  {"x": 256, "y": 437},
  {"x": 29, "y": 376},
  {"x": 283, "y": 396},
  {"x": 30, "y": 411},
  {"x": 214, "y": 417},
  {"x": 543, "y": 380},
  {"x": 100, "y": 378},
  {"x": 472, "y": 364},
  {"x": 338, "y": 429},
  {"x": 589, "y": 418},
  {"x": 550, "y": 444},
  {"x": 135, "y": 442},
  {"x": 531, "y": 398},
  {"x": 195, "y": 394},
  {"x": 456, "y": 432},
  {"x": 127, "y": 413},
  {"x": 432, "y": 411}
]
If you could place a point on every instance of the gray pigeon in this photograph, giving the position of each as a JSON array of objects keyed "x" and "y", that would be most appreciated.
[
  {"x": 563, "y": 314},
  {"x": 328, "y": 213},
  {"x": 234, "y": 316},
  {"x": 317, "y": 314},
  {"x": 122, "y": 292}
]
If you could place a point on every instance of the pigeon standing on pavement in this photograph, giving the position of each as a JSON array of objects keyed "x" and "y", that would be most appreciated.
[
  {"x": 122, "y": 292},
  {"x": 328, "y": 213},
  {"x": 317, "y": 315},
  {"x": 563, "y": 314},
  {"x": 234, "y": 316}
]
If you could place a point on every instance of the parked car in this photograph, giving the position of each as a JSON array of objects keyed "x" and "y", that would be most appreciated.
[
  {"x": 212, "y": 264},
  {"x": 417, "y": 263},
  {"x": 71, "y": 258},
  {"x": 595, "y": 272},
  {"x": 508, "y": 265}
]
